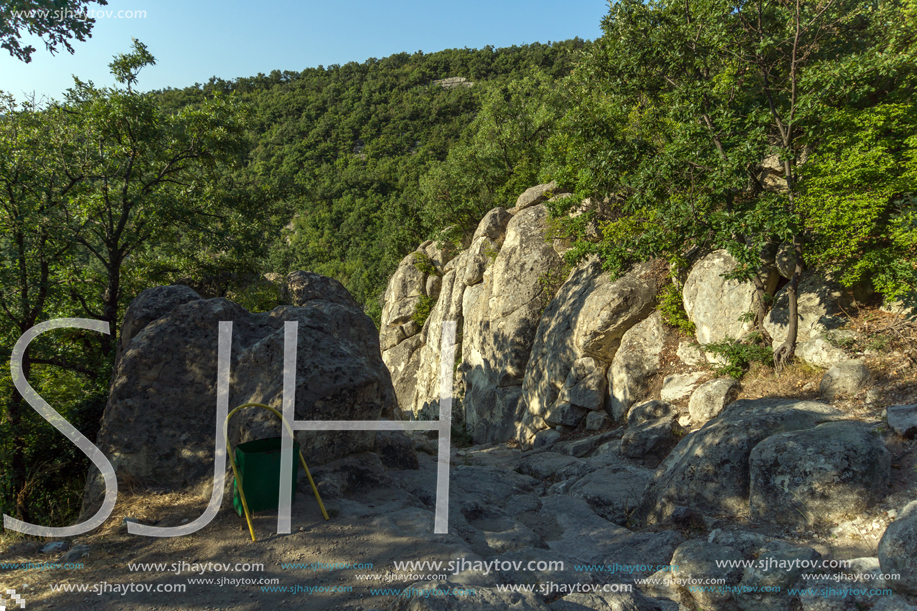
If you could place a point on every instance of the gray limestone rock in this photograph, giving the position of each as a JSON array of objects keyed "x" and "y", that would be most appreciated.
[
  {"x": 710, "y": 398},
  {"x": 501, "y": 316},
  {"x": 679, "y": 386},
  {"x": 844, "y": 379},
  {"x": 714, "y": 304},
  {"x": 820, "y": 304},
  {"x": 160, "y": 418},
  {"x": 903, "y": 419},
  {"x": 709, "y": 469},
  {"x": 819, "y": 475},
  {"x": 637, "y": 358},
  {"x": 896, "y": 550}
]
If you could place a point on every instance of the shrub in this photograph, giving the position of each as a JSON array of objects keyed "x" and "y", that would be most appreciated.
[
  {"x": 672, "y": 309},
  {"x": 739, "y": 355},
  {"x": 424, "y": 264},
  {"x": 424, "y": 307}
]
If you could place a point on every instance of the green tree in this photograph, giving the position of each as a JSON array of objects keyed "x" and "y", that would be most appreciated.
[
  {"x": 34, "y": 191},
  {"x": 154, "y": 182},
  {"x": 499, "y": 156},
  {"x": 679, "y": 103},
  {"x": 54, "y": 21},
  {"x": 99, "y": 197}
]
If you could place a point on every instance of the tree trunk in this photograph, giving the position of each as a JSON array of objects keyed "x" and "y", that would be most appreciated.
[
  {"x": 760, "y": 307},
  {"x": 785, "y": 352},
  {"x": 14, "y": 414},
  {"x": 110, "y": 304}
]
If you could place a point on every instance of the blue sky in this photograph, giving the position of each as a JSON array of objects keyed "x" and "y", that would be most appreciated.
[{"x": 193, "y": 41}]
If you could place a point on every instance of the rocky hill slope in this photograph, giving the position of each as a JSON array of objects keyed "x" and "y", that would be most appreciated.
[{"x": 587, "y": 433}]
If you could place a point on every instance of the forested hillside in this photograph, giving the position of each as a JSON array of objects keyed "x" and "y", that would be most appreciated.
[
  {"x": 339, "y": 151},
  {"x": 339, "y": 170}
]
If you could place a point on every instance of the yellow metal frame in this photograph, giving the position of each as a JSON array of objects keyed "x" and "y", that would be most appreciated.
[{"x": 235, "y": 469}]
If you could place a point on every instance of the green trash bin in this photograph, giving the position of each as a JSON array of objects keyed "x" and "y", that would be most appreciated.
[{"x": 258, "y": 462}]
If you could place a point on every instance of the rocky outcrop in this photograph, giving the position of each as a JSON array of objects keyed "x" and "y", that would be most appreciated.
[
  {"x": 708, "y": 471},
  {"x": 716, "y": 305},
  {"x": 818, "y": 475},
  {"x": 587, "y": 318},
  {"x": 501, "y": 316},
  {"x": 159, "y": 422},
  {"x": 637, "y": 358},
  {"x": 536, "y": 195}
]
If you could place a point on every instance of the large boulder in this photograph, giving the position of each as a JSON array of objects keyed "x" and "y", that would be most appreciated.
[
  {"x": 637, "y": 358},
  {"x": 716, "y": 305},
  {"x": 820, "y": 304},
  {"x": 501, "y": 316},
  {"x": 896, "y": 550},
  {"x": 587, "y": 318},
  {"x": 708, "y": 470},
  {"x": 823, "y": 474},
  {"x": 493, "y": 225},
  {"x": 160, "y": 418}
]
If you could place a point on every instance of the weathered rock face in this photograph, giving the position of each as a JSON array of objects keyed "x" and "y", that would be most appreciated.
[
  {"x": 613, "y": 492},
  {"x": 709, "y": 469},
  {"x": 159, "y": 422},
  {"x": 823, "y": 474},
  {"x": 587, "y": 318},
  {"x": 650, "y": 441},
  {"x": 819, "y": 309},
  {"x": 637, "y": 358},
  {"x": 715, "y": 304},
  {"x": 501, "y": 316},
  {"x": 896, "y": 550},
  {"x": 678, "y": 387},
  {"x": 426, "y": 274},
  {"x": 301, "y": 287},
  {"x": 151, "y": 305}
]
